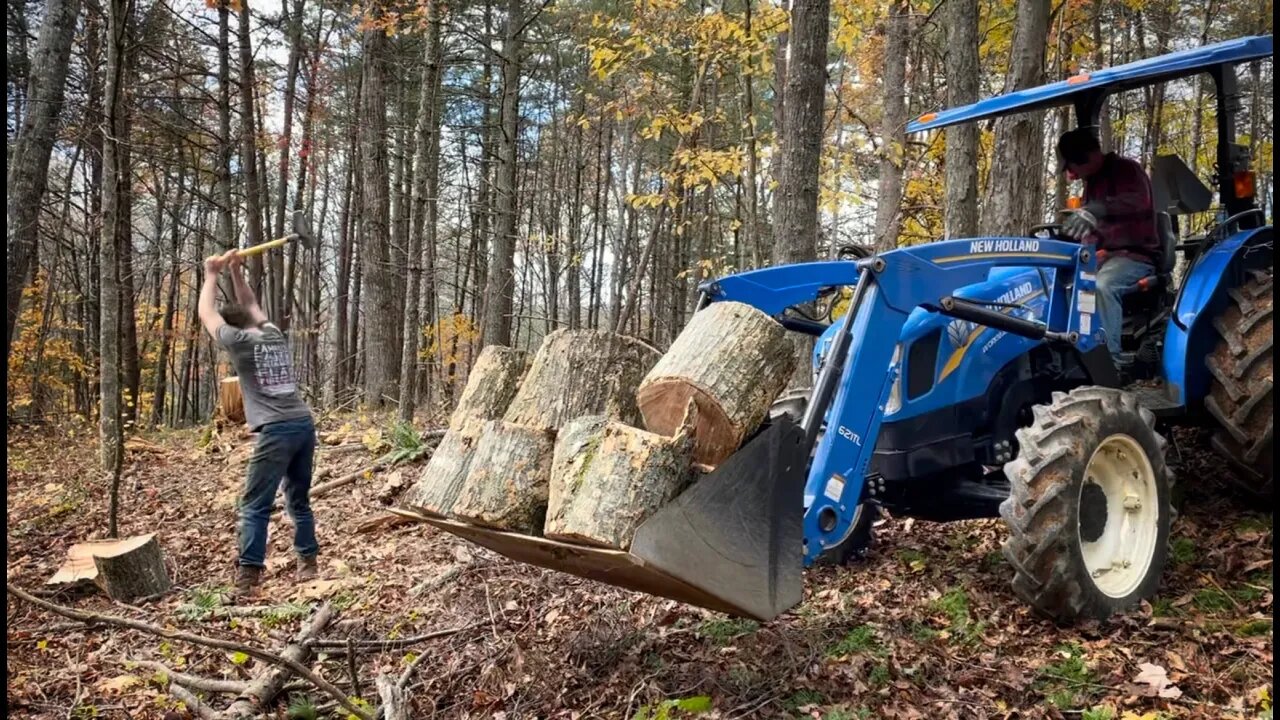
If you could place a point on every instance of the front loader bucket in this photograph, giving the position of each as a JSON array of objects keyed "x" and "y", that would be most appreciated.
[{"x": 732, "y": 542}]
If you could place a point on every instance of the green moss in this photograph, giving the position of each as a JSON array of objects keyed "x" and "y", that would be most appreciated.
[
  {"x": 879, "y": 676},
  {"x": 1254, "y": 628},
  {"x": 860, "y": 639},
  {"x": 1182, "y": 551},
  {"x": 1212, "y": 600},
  {"x": 721, "y": 632}
]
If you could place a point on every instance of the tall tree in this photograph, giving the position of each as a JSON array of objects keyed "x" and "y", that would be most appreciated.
[
  {"x": 1012, "y": 200},
  {"x": 381, "y": 307},
  {"x": 795, "y": 202},
  {"x": 114, "y": 111},
  {"x": 961, "y": 206},
  {"x": 500, "y": 290},
  {"x": 28, "y": 171},
  {"x": 426, "y": 190},
  {"x": 893, "y": 124},
  {"x": 249, "y": 155}
]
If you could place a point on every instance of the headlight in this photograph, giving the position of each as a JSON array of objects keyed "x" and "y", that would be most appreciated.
[{"x": 895, "y": 392}]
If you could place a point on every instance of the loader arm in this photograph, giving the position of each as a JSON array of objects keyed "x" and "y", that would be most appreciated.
[{"x": 853, "y": 386}]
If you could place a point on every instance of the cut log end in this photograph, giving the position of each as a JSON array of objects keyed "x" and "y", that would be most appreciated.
[{"x": 231, "y": 400}]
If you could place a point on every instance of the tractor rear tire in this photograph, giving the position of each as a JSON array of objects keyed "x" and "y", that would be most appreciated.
[
  {"x": 1240, "y": 390},
  {"x": 1089, "y": 508}
]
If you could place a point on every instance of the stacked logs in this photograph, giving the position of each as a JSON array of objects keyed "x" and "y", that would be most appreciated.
[{"x": 603, "y": 430}]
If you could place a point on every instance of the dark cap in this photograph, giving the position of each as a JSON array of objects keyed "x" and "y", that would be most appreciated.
[{"x": 1075, "y": 145}]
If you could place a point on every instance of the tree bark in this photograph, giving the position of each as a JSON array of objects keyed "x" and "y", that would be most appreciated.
[
  {"x": 134, "y": 569},
  {"x": 28, "y": 160},
  {"x": 381, "y": 306},
  {"x": 795, "y": 232},
  {"x": 961, "y": 210},
  {"x": 111, "y": 439},
  {"x": 581, "y": 372},
  {"x": 732, "y": 361},
  {"x": 607, "y": 478},
  {"x": 500, "y": 289},
  {"x": 426, "y": 189},
  {"x": 249, "y": 153},
  {"x": 509, "y": 478},
  {"x": 1013, "y": 190},
  {"x": 893, "y": 138}
]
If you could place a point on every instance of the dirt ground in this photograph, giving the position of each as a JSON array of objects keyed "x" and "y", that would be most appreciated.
[{"x": 926, "y": 627}]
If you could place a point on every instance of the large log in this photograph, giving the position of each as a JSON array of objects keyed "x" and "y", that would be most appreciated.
[
  {"x": 732, "y": 361},
  {"x": 437, "y": 488},
  {"x": 582, "y": 372},
  {"x": 607, "y": 478},
  {"x": 507, "y": 484},
  {"x": 491, "y": 385},
  {"x": 130, "y": 569}
]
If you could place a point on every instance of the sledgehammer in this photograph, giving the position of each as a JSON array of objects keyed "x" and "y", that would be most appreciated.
[{"x": 301, "y": 233}]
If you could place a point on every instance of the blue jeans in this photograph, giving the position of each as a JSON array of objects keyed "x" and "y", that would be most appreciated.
[
  {"x": 1116, "y": 277},
  {"x": 285, "y": 450}
]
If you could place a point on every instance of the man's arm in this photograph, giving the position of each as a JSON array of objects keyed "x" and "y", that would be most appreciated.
[
  {"x": 207, "y": 307},
  {"x": 244, "y": 293}
]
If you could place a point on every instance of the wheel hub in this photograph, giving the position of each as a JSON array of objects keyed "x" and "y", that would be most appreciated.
[{"x": 1118, "y": 516}]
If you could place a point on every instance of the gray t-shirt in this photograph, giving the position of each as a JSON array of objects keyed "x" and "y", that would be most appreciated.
[{"x": 265, "y": 367}]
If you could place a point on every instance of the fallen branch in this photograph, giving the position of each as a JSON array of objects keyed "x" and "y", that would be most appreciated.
[
  {"x": 194, "y": 682},
  {"x": 391, "y": 643},
  {"x": 267, "y": 685},
  {"x": 294, "y": 665},
  {"x": 193, "y": 703},
  {"x": 392, "y": 696},
  {"x": 440, "y": 579}
]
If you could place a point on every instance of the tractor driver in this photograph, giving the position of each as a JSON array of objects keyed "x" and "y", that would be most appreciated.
[{"x": 1117, "y": 218}]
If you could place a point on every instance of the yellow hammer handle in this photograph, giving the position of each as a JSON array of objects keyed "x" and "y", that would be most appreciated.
[{"x": 263, "y": 247}]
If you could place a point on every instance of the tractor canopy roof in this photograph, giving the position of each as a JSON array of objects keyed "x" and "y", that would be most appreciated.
[{"x": 1122, "y": 77}]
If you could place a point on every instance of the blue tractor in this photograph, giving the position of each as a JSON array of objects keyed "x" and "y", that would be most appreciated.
[{"x": 970, "y": 379}]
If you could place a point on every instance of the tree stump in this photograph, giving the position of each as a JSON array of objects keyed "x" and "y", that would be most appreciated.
[
  {"x": 507, "y": 484},
  {"x": 231, "y": 400},
  {"x": 607, "y": 478},
  {"x": 491, "y": 385},
  {"x": 732, "y": 361},
  {"x": 132, "y": 568},
  {"x": 582, "y": 372}
]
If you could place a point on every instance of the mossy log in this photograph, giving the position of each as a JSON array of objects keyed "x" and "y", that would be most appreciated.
[
  {"x": 607, "y": 478},
  {"x": 491, "y": 385},
  {"x": 507, "y": 484},
  {"x": 582, "y": 372},
  {"x": 732, "y": 360}
]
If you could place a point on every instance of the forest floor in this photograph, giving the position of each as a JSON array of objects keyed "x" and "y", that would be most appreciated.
[{"x": 925, "y": 627}]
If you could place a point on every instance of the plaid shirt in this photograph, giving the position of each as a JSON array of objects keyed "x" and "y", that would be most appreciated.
[{"x": 1128, "y": 226}]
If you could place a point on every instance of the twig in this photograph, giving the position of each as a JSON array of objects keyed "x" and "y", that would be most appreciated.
[
  {"x": 439, "y": 580},
  {"x": 1239, "y": 607},
  {"x": 293, "y": 665},
  {"x": 191, "y": 681},
  {"x": 351, "y": 667},
  {"x": 394, "y": 643},
  {"x": 192, "y": 702}
]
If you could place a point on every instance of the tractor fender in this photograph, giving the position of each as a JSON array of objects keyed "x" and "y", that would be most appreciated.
[{"x": 1190, "y": 335}]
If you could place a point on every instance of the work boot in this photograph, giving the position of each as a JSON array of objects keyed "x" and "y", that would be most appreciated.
[
  {"x": 307, "y": 570},
  {"x": 247, "y": 578}
]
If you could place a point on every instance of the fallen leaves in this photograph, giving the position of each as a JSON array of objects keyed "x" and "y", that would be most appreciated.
[{"x": 1156, "y": 680}]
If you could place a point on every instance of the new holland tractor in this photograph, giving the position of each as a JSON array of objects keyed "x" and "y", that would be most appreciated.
[{"x": 971, "y": 379}]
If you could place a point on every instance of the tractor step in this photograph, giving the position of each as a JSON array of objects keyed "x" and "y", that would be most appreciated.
[{"x": 1154, "y": 399}]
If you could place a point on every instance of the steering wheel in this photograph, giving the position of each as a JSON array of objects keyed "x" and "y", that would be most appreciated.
[{"x": 1054, "y": 229}]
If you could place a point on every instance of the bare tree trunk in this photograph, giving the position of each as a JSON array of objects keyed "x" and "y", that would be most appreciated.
[
  {"x": 500, "y": 289},
  {"x": 1013, "y": 191},
  {"x": 170, "y": 301},
  {"x": 249, "y": 154},
  {"x": 795, "y": 231},
  {"x": 426, "y": 188},
  {"x": 893, "y": 127},
  {"x": 961, "y": 213},
  {"x": 112, "y": 446},
  {"x": 381, "y": 306},
  {"x": 28, "y": 159}
]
